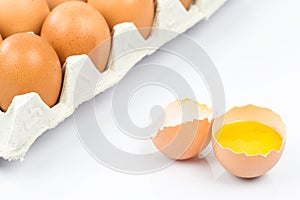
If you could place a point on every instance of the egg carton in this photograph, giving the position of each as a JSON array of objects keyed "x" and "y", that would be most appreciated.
[{"x": 29, "y": 117}]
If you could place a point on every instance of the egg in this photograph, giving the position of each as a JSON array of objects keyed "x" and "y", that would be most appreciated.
[
  {"x": 186, "y": 131},
  {"x": 186, "y": 3},
  {"x": 140, "y": 12},
  {"x": 250, "y": 142},
  {"x": 22, "y": 16},
  {"x": 75, "y": 28},
  {"x": 53, "y": 3},
  {"x": 28, "y": 64},
  {"x": 1, "y": 38}
]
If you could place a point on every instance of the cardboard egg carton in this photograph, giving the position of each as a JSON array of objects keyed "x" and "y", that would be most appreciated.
[{"x": 29, "y": 117}]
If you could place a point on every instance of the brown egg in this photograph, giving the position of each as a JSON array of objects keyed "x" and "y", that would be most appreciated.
[
  {"x": 182, "y": 138},
  {"x": 1, "y": 38},
  {"x": 22, "y": 16},
  {"x": 243, "y": 164},
  {"x": 186, "y": 3},
  {"x": 28, "y": 64},
  {"x": 75, "y": 28},
  {"x": 140, "y": 12},
  {"x": 53, "y": 3}
]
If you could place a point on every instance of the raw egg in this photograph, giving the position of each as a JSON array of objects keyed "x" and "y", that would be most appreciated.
[
  {"x": 75, "y": 28},
  {"x": 28, "y": 64},
  {"x": 22, "y": 16},
  {"x": 186, "y": 3},
  {"x": 186, "y": 130},
  {"x": 53, "y": 3},
  {"x": 250, "y": 142},
  {"x": 140, "y": 12}
]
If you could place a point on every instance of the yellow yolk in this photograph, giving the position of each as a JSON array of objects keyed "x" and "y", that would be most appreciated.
[{"x": 249, "y": 137}]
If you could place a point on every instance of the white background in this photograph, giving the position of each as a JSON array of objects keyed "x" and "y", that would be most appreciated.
[{"x": 255, "y": 45}]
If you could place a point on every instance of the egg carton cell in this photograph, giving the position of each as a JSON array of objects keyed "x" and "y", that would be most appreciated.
[{"x": 28, "y": 117}]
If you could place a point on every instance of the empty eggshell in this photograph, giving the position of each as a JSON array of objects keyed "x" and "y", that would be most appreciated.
[
  {"x": 186, "y": 130},
  {"x": 241, "y": 164}
]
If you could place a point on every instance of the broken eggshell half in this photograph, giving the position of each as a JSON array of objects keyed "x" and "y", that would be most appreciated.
[
  {"x": 241, "y": 164},
  {"x": 186, "y": 130}
]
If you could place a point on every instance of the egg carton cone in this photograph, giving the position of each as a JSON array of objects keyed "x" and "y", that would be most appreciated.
[{"x": 28, "y": 117}]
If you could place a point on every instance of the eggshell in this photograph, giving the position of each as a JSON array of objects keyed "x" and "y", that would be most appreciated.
[
  {"x": 28, "y": 64},
  {"x": 242, "y": 165},
  {"x": 75, "y": 28},
  {"x": 18, "y": 16},
  {"x": 186, "y": 3},
  {"x": 53, "y": 3},
  {"x": 140, "y": 12},
  {"x": 187, "y": 130}
]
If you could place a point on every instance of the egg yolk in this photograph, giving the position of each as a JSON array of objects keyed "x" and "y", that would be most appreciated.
[{"x": 249, "y": 137}]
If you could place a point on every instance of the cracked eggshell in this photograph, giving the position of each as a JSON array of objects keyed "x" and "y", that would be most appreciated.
[
  {"x": 240, "y": 164},
  {"x": 187, "y": 130}
]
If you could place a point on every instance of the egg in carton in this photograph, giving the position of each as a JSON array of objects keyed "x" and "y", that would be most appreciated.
[{"x": 28, "y": 117}]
